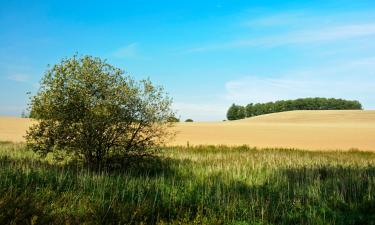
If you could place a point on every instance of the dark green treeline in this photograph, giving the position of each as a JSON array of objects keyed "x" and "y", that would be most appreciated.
[{"x": 236, "y": 112}]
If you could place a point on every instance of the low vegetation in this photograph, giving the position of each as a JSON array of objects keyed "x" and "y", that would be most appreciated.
[
  {"x": 236, "y": 112},
  {"x": 173, "y": 119},
  {"x": 197, "y": 185}
]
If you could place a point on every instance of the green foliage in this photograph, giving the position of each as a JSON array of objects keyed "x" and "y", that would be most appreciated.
[
  {"x": 236, "y": 112},
  {"x": 241, "y": 112},
  {"x": 189, "y": 120},
  {"x": 196, "y": 185},
  {"x": 173, "y": 119},
  {"x": 232, "y": 112},
  {"x": 92, "y": 111},
  {"x": 289, "y": 105}
]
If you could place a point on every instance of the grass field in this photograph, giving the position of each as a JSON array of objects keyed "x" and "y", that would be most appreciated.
[
  {"x": 206, "y": 184},
  {"x": 313, "y": 130},
  {"x": 200, "y": 185}
]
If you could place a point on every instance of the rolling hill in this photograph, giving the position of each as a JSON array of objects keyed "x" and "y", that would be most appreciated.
[{"x": 314, "y": 130}]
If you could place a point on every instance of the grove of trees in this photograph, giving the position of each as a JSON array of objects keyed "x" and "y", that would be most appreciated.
[
  {"x": 92, "y": 110},
  {"x": 236, "y": 112}
]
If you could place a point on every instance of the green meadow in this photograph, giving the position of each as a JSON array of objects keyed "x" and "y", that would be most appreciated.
[{"x": 196, "y": 185}]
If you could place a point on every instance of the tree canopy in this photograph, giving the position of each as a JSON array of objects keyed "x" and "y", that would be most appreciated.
[
  {"x": 236, "y": 112},
  {"x": 91, "y": 109}
]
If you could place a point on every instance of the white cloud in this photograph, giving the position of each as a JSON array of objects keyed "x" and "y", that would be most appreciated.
[
  {"x": 129, "y": 51},
  {"x": 330, "y": 34},
  {"x": 302, "y": 36},
  {"x": 201, "y": 111},
  {"x": 351, "y": 80},
  {"x": 280, "y": 19},
  {"x": 19, "y": 77}
]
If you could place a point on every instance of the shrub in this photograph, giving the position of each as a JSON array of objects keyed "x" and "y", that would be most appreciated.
[
  {"x": 173, "y": 119},
  {"x": 189, "y": 120},
  {"x": 90, "y": 109}
]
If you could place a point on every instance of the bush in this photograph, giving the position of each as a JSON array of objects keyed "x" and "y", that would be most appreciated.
[
  {"x": 173, "y": 119},
  {"x": 189, "y": 120},
  {"x": 90, "y": 109}
]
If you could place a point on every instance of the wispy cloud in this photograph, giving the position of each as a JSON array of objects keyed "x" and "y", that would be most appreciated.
[
  {"x": 19, "y": 77},
  {"x": 304, "y": 36},
  {"x": 352, "y": 80},
  {"x": 330, "y": 33},
  {"x": 129, "y": 51},
  {"x": 346, "y": 79},
  {"x": 307, "y": 18},
  {"x": 278, "y": 19},
  {"x": 200, "y": 111}
]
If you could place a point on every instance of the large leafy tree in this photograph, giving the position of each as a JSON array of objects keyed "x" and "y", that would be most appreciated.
[{"x": 91, "y": 109}]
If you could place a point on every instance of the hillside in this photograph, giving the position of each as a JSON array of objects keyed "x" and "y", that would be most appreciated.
[
  {"x": 13, "y": 128},
  {"x": 296, "y": 129},
  {"x": 316, "y": 117},
  {"x": 336, "y": 129}
]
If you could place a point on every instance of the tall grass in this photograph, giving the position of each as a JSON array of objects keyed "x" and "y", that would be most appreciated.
[{"x": 198, "y": 185}]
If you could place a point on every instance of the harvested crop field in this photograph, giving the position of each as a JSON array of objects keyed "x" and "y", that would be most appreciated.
[
  {"x": 13, "y": 129},
  {"x": 313, "y": 130}
]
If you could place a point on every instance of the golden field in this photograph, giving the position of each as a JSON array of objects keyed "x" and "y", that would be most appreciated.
[
  {"x": 13, "y": 128},
  {"x": 313, "y": 130}
]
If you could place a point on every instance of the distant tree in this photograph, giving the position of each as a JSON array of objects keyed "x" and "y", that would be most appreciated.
[
  {"x": 258, "y": 109},
  {"x": 241, "y": 112},
  {"x": 232, "y": 112},
  {"x": 236, "y": 112},
  {"x": 249, "y": 110},
  {"x": 90, "y": 109},
  {"x": 189, "y": 120},
  {"x": 173, "y": 119}
]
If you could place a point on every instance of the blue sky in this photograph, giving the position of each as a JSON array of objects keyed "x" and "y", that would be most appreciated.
[{"x": 207, "y": 54}]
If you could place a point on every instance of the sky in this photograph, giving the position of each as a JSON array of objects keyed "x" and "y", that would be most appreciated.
[{"x": 206, "y": 54}]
